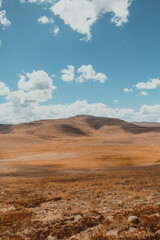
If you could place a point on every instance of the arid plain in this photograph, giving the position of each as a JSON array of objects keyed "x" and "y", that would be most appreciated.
[{"x": 80, "y": 178}]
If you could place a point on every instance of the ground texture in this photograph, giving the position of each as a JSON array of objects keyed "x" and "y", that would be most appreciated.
[{"x": 93, "y": 182}]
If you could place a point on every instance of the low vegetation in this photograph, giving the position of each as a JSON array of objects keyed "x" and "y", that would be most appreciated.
[{"x": 84, "y": 206}]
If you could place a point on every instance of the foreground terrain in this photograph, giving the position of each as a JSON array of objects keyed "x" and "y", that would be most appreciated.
[{"x": 80, "y": 178}]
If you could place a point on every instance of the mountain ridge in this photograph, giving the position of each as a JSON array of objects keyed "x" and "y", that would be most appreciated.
[{"x": 79, "y": 125}]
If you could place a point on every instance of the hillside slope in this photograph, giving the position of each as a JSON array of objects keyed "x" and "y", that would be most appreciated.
[{"x": 77, "y": 126}]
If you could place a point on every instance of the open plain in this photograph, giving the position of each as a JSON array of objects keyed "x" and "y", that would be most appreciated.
[{"x": 80, "y": 178}]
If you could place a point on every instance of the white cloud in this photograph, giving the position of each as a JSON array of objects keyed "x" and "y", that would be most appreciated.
[
  {"x": 56, "y": 30},
  {"x": 152, "y": 112},
  {"x": 128, "y": 90},
  {"x": 0, "y": 3},
  {"x": 115, "y": 101},
  {"x": 68, "y": 74},
  {"x": 151, "y": 84},
  {"x": 3, "y": 19},
  {"x": 142, "y": 93},
  {"x": 25, "y": 104},
  {"x": 36, "y": 88},
  {"x": 37, "y": 1},
  {"x": 87, "y": 73},
  {"x": 84, "y": 73},
  {"x": 33, "y": 88},
  {"x": 36, "y": 80},
  {"x": 53, "y": 75},
  {"x": 81, "y": 15},
  {"x": 4, "y": 91},
  {"x": 45, "y": 20},
  {"x": 16, "y": 113},
  {"x": 13, "y": 112}
]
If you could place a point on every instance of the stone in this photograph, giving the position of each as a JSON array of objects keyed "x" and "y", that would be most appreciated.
[
  {"x": 120, "y": 203},
  {"x": 110, "y": 218},
  {"x": 77, "y": 217},
  {"x": 158, "y": 233},
  {"x": 113, "y": 233},
  {"x": 132, "y": 230},
  {"x": 50, "y": 237},
  {"x": 157, "y": 215},
  {"x": 133, "y": 219}
]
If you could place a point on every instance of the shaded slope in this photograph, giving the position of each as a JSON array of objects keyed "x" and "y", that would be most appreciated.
[
  {"x": 98, "y": 122},
  {"x": 74, "y": 131},
  {"x": 48, "y": 129},
  {"x": 5, "y": 128}
]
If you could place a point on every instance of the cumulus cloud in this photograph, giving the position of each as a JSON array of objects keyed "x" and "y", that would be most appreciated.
[
  {"x": 84, "y": 73},
  {"x": 115, "y": 101},
  {"x": 152, "y": 112},
  {"x": 45, "y": 20},
  {"x": 81, "y": 15},
  {"x": 142, "y": 93},
  {"x": 33, "y": 88},
  {"x": 14, "y": 113},
  {"x": 37, "y": 1},
  {"x": 3, "y": 19},
  {"x": 4, "y": 90},
  {"x": 37, "y": 80},
  {"x": 87, "y": 73},
  {"x": 36, "y": 88},
  {"x": 68, "y": 74},
  {"x": 128, "y": 90},
  {"x": 150, "y": 84},
  {"x": 56, "y": 30}
]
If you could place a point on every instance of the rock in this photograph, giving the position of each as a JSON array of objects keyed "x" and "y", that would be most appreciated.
[
  {"x": 77, "y": 217},
  {"x": 133, "y": 219},
  {"x": 128, "y": 234},
  {"x": 110, "y": 218},
  {"x": 26, "y": 231},
  {"x": 113, "y": 233},
  {"x": 84, "y": 235},
  {"x": 157, "y": 233},
  {"x": 132, "y": 230},
  {"x": 156, "y": 215},
  {"x": 120, "y": 203},
  {"x": 9, "y": 208},
  {"x": 50, "y": 237},
  {"x": 8, "y": 233},
  {"x": 157, "y": 204}
]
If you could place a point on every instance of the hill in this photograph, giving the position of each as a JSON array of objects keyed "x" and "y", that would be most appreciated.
[{"x": 78, "y": 126}]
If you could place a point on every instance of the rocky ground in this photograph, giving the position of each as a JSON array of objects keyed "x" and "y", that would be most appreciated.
[{"x": 118, "y": 203}]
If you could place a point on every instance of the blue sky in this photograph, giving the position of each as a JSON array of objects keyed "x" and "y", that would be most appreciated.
[{"x": 67, "y": 57}]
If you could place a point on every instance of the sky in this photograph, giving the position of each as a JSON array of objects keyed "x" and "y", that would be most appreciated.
[{"x": 60, "y": 58}]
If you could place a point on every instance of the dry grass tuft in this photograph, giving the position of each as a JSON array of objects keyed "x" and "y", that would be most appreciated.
[
  {"x": 98, "y": 235},
  {"x": 11, "y": 218}
]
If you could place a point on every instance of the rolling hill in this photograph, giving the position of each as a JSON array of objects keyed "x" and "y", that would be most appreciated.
[{"x": 78, "y": 126}]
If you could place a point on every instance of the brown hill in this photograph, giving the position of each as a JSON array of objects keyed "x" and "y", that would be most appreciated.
[
  {"x": 147, "y": 124},
  {"x": 81, "y": 125},
  {"x": 5, "y": 128}
]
